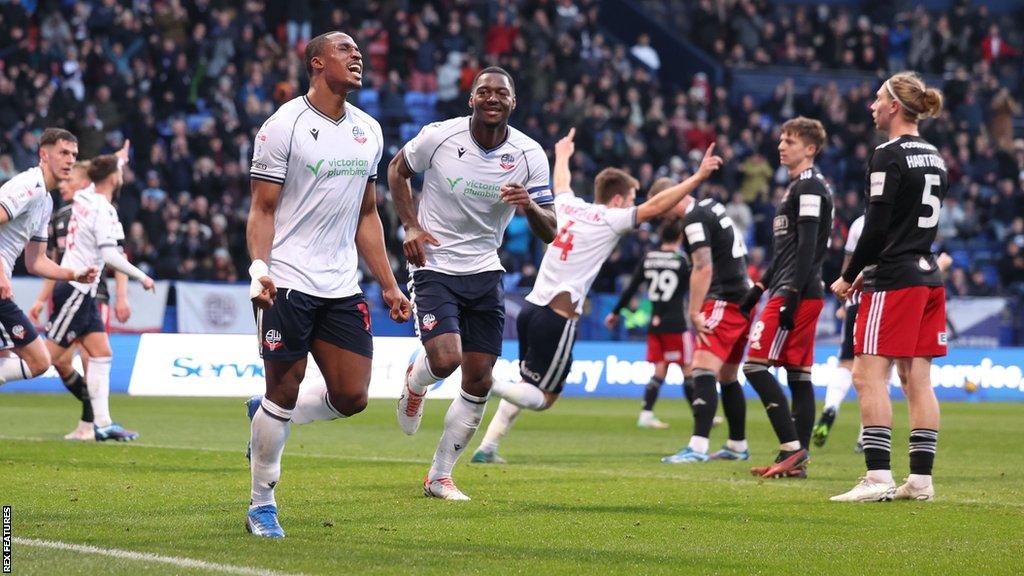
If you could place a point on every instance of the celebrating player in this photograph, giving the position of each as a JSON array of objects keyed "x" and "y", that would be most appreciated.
[
  {"x": 477, "y": 171},
  {"x": 718, "y": 282},
  {"x": 667, "y": 272},
  {"x": 313, "y": 213},
  {"x": 903, "y": 304},
  {"x": 92, "y": 236},
  {"x": 72, "y": 379},
  {"x": 587, "y": 235},
  {"x": 784, "y": 333},
  {"x": 26, "y": 208}
]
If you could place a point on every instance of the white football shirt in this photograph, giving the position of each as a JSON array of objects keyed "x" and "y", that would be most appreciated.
[
  {"x": 853, "y": 236},
  {"x": 461, "y": 204},
  {"x": 28, "y": 206},
  {"x": 94, "y": 225},
  {"x": 587, "y": 235},
  {"x": 323, "y": 166}
]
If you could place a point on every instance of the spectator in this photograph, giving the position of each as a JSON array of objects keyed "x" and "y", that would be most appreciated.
[{"x": 645, "y": 53}]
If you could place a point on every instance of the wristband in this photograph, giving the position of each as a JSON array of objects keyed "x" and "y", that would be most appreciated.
[{"x": 258, "y": 269}]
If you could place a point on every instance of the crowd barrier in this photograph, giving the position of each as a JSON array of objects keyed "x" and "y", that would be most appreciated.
[{"x": 229, "y": 365}]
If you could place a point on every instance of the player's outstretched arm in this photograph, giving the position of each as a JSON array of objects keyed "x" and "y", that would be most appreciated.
[
  {"x": 564, "y": 150},
  {"x": 45, "y": 292},
  {"x": 666, "y": 199},
  {"x": 370, "y": 244},
  {"x": 113, "y": 257},
  {"x": 39, "y": 264},
  {"x": 399, "y": 174},
  {"x": 259, "y": 236},
  {"x": 700, "y": 283}
]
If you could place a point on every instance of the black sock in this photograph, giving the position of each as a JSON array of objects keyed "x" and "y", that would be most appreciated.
[
  {"x": 705, "y": 402},
  {"x": 688, "y": 389},
  {"x": 651, "y": 392},
  {"x": 75, "y": 384},
  {"x": 923, "y": 443},
  {"x": 877, "y": 447},
  {"x": 774, "y": 400},
  {"x": 803, "y": 404},
  {"x": 734, "y": 404}
]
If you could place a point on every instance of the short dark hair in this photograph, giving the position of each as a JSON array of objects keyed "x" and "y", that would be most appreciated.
[
  {"x": 495, "y": 70},
  {"x": 314, "y": 48},
  {"x": 101, "y": 167},
  {"x": 611, "y": 182},
  {"x": 53, "y": 135},
  {"x": 671, "y": 231}
]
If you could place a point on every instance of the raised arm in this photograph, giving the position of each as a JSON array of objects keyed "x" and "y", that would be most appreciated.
[
  {"x": 370, "y": 244},
  {"x": 666, "y": 199}
]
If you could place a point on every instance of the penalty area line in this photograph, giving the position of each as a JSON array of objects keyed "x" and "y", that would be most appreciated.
[{"x": 148, "y": 557}]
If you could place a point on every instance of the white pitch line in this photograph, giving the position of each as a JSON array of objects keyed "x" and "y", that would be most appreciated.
[
  {"x": 647, "y": 475},
  {"x": 147, "y": 557}
]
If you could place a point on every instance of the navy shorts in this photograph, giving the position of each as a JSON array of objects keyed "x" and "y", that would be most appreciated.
[
  {"x": 472, "y": 306},
  {"x": 545, "y": 347},
  {"x": 849, "y": 323},
  {"x": 16, "y": 329},
  {"x": 75, "y": 314},
  {"x": 287, "y": 329}
]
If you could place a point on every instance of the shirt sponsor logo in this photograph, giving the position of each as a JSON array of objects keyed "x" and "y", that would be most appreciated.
[
  {"x": 453, "y": 183},
  {"x": 810, "y": 205},
  {"x": 272, "y": 340},
  {"x": 877, "y": 183},
  {"x": 507, "y": 161},
  {"x": 695, "y": 233},
  {"x": 340, "y": 167},
  {"x": 780, "y": 224},
  {"x": 428, "y": 322},
  {"x": 358, "y": 135},
  {"x": 475, "y": 188}
]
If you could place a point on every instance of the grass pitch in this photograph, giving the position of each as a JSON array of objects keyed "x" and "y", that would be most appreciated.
[{"x": 584, "y": 492}]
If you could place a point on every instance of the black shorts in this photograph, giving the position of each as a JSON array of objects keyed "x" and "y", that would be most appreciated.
[
  {"x": 545, "y": 347},
  {"x": 75, "y": 314},
  {"x": 287, "y": 329},
  {"x": 849, "y": 323},
  {"x": 16, "y": 329},
  {"x": 472, "y": 306}
]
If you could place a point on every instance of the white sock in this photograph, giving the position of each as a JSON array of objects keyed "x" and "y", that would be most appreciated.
[
  {"x": 421, "y": 378},
  {"x": 699, "y": 444},
  {"x": 313, "y": 404},
  {"x": 12, "y": 369},
  {"x": 736, "y": 445},
  {"x": 837, "y": 388},
  {"x": 790, "y": 446},
  {"x": 500, "y": 424},
  {"x": 880, "y": 476},
  {"x": 97, "y": 379},
  {"x": 919, "y": 480},
  {"x": 460, "y": 423},
  {"x": 520, "y": 393},
  {"x": 269, "y": 431}
]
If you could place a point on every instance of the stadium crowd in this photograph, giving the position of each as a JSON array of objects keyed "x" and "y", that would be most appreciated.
[{"x": 190, "y": 82}]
